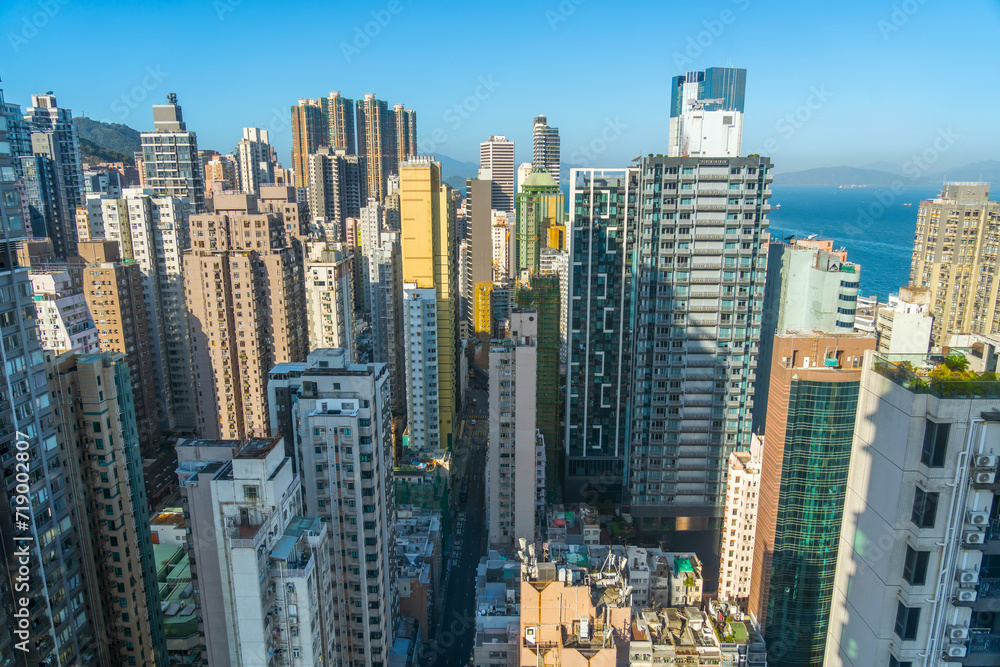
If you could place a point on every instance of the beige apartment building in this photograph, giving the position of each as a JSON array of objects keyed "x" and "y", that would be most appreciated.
[
  {"x": 113, "y": 289},
  {"x": 243, "y": 282},
  {"x": 93, "y": 395},
  {"x": 955, "y": 255}
]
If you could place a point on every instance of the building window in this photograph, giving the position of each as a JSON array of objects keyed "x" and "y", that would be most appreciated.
[
  {"x": 915, "y": 566},
  {"x": 893, "y": 662},
  {"x": 907, "y": 619},
  {"x": 935, "y": 444},
  {"x": 251, "y": 492},
  {"x": 924, "y": 508}
]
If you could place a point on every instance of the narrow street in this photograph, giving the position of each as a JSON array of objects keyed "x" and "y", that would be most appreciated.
[{"x": 453, "y": 644}]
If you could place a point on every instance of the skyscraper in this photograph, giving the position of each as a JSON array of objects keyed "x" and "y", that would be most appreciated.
[
  {"x": 329, "y": 296},
  {"x": 918, "y": 553},
  {"x": 430, "y": 304},
  {"x": 97, "y": 419},
  {"x": 666, "y": 293},
  {"x": 545, "y": 147},
  {"x": 540, "y": 205},
  {"x": 172, "y": 167},
  {"x": 113, "y": 288},
  {"x": 263, "y": 569},
  {"x": 45, "y": 199},
  {"x": 955, "y": 256},
  {"x": 254, "y": 160},
  {"x": 219, "y": 169},
  {"x": 335, "y": 186},
  {"x": 46, "y": 117},
  {"x": 338, "y": 415},
  {"x": 512, "y": 458},
  {"x": 327, "y": 121},
  {"x": 246, "y": 305},
  {"x": 740, "y": 529},
  {"x": 812, "y": 403},
  {"x": 404, "y": 124},
  {"x": 64, "y": 321},
  {"x": 479, "y": 261},
  {"x": 706, "y": 113},
  {"x": 496, "y": 163},
  {"x": 59, "y": 626},
  {"x": 376, "y": 145}
]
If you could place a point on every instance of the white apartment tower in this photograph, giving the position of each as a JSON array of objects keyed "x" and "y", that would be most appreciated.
[
  {"x": 917, "y": 567},
  {"x": 706, "y": 113},
  {"x": 64, "y": 321},
  {"x": 421, "y": 344},
  {"x": 545, "y": 147},
  {"x": 496, "y": 154},
  {"x": 262, "y": 569},
  {"x": 512, "y": 481},
  {"x": 329, "y": 296},
  {"x": 172, "y": 167},
  {"x": 337, "y": 414},
  {"x": 740, "y": 529},
  {"x": 254, "y": 160}
]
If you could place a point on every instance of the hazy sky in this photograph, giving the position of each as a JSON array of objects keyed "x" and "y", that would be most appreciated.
[{"x": 851, "y": 82}]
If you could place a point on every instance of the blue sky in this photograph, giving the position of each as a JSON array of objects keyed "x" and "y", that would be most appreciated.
[{"x": 852, "y": 82}]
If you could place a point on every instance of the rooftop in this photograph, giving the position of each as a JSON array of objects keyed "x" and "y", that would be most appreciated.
[{"x": 937, "y": 374}]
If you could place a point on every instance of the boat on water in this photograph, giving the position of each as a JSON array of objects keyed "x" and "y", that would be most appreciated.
[
  {"x": 776, "y": 207},
  {"x": 907, "y": 204}
]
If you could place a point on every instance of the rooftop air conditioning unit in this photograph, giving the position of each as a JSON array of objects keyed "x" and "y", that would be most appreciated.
[
  {"x": 978, "y": 518},
  {"x": 986, "y": 461},
  {"x": 974, "y": 537},
  {"x": 966, "y": 596},
  {"x": 968, "y": 577},
  {"x": 984, "y": 477},
  {"x": 958, "y": 632},
  {"x": 956, "y": 651}
]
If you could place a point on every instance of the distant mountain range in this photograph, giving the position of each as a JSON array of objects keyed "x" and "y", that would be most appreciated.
[{"x": 886, "y": 173}]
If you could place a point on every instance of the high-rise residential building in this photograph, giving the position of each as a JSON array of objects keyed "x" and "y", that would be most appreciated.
[
  {"x": 479, "y": 259},
  {"x": 153, "y": 231},
  {"x": 496, "y": 156},
  {"x": 513, "y": 455},
  {"x": 523, "y": 170},
  {"x": 103, "y": 181},
  {"x": 338, "y": 415},
  {"x": 430, "y": 304},
  {"x": 245, "y": 299},
  {"x": 382, "y": 275},
  {"x": 404, "y": 124},
  {"x": 18, "y": 133},
  {"x": 170, "y": 161},
  {"x": 45, "y": 116},
  {"x": 263, "y": 574},
  {"x": 50, "y": 207},
  {"x": 329, "y": 291},
  {"x": 376, "y": 145},
  {"x": 545, "y": 152},
  {"x": 283, "y": 200},
  {"x": 815, "y": 380},
  {"x": 706, "y": 113},
  {"x": 220, "y": 173},
  {"x": 97, "y": 419},
  {"x": 43, "y": 525},
  {"x": 254, "y": 160},
  {"x": 335, "y": 186},
  {"x": 503, "y": 236},
  {"x": 64, "y": 321},
  {"x": 319, "y": 122},
  {"x": 540, "y": 293},
  {"x": 904, "y": 324},
  {"x": 556, "y": 262},
  {"x": 113, "y": 288},
  {"x": 955, "y": 256},
  {"x": 540, "y": 205},
  {"x": 740, "y": 524},
  {"x": 810, "y": 287},
  {"x": 919, "y": 550},
  {"x": 664, "y": 327}
]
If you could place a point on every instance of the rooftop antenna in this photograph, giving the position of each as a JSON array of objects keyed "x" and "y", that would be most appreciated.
[{"x": 171, "y": 98}]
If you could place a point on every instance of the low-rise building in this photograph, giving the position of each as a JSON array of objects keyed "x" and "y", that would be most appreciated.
[{"x": 418, "y": 547}]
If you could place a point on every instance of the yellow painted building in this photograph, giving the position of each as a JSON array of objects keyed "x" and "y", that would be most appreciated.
[
  {"x": 556, "y": 237},
  {"x": 427, "y": 221},
  {"x": 482, "y": 309}
]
